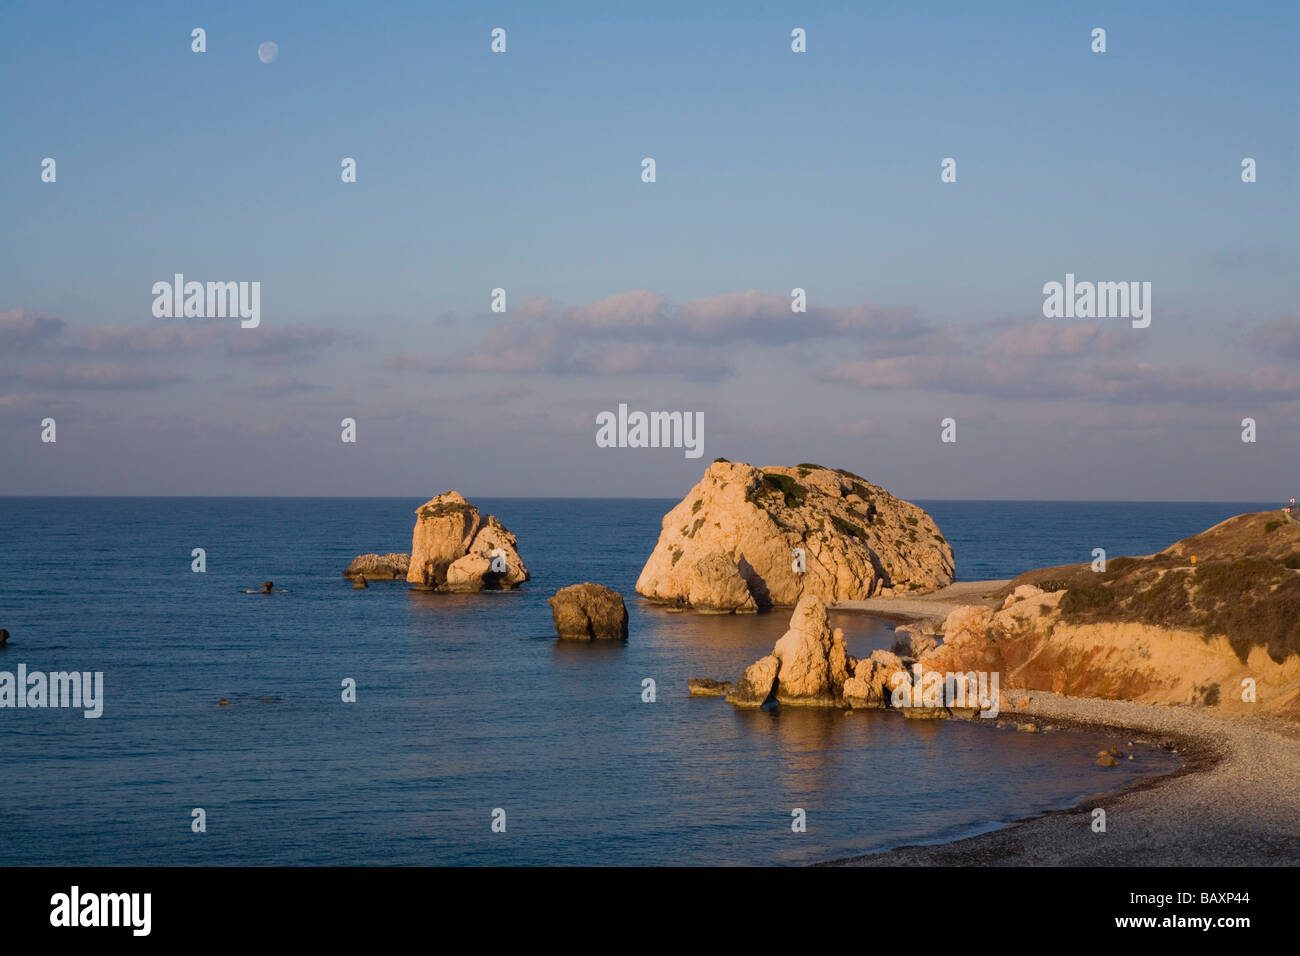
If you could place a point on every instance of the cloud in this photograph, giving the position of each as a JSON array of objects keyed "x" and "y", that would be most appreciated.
[
  {"x": 160, "y": 339},
  {"x": 18, "y": 330},
  {"x": 1105, "y": 380},
  {"x": 288, "y": 345},
  {"x": 273, "y": 387},
  {"x": 99, "y": 375},
  {"x": 1053, "y": 340},
  {"x": 854, "y": 429},
  {"x": 642, "y": 332},
  {"x": 1279, "y": 338},
  {"x": 266, "y": 345},
  {"x": 21, "y": 406}
]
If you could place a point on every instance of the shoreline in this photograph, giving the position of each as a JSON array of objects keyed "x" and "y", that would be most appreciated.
[
  {"x": 908, "y": 608},
  {"x": 1232, "y": 802}
]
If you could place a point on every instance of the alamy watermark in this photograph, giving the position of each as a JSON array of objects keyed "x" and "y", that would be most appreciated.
[
  {"x": 976, "y": 689},
  {"x": 82, "y": 689},
  {"x": 651, "y": 430},
  {"x": 76, "y": 909},
  {"x": 1098, "y": 300},
  {"x": 211, "y": 300}
]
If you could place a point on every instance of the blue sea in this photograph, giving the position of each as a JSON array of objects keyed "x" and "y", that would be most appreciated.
[{"x": 467, "y": 704}]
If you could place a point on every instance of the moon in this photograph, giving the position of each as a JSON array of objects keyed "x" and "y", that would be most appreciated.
[{"x": 268, "y": 51}]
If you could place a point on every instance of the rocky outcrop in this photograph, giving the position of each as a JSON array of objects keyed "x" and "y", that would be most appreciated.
[
  {"x": 379, "y": 567},
  {"x": 589, "y": 611},
  {"x": 756, "y": 683},
  {"x": 811, "y": 667},
  {"x": 746, "y": 538},
  {"x": 875, "y": 679},
  {"x": 911, "y": 643},
  {"x": 814, "y": 664},
  {"x": 453, "y": 548}
]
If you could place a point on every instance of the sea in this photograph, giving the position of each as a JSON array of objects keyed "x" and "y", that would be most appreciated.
[{"x": 476, "y": 737}]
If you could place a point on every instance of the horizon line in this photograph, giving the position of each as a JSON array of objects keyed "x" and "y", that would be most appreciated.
[{"x": 1131, "y": 501}]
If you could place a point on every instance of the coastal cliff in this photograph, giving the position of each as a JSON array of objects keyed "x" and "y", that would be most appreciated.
[{"x": 1212, "y": 620}]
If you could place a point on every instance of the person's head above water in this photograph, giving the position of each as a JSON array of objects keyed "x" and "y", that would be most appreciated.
[{"x": 267, "y": 586}]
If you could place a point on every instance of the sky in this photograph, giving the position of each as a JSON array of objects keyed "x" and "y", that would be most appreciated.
[{"x": 774, "y": 170}]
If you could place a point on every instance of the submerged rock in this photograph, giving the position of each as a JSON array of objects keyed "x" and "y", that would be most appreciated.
[
  {"x": 708, "y": 687},
  {"x": 589, "y": 611},
  {"x": 746, "y": 538},
  {"x": 453, "y": 548}
]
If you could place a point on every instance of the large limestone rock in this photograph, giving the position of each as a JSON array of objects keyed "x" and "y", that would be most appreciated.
[
  {"x": 453, "y": 548},
  {"x": 717, "y": 587},
  {"x": 589, "y": 611},
  {"x": 729, "y": 545},
  {"x": 379, "y": 567}
]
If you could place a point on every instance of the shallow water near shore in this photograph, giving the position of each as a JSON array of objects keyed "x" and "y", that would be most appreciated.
[{"x": 467, "y": 703}]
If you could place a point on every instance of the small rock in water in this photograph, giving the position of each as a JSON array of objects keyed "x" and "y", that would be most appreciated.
[
  {"x": 708, "y": 687},
  {"x": 1106, "y": 760},
  {"x": 359, "y": 582},
  {"x": 4, "y": 637},
  {"x": 268, "y": 587},
  {"x": 223, "y": 702},
  {"x": 589, "y": 611},
  {"x": 1028, "y": 728}
]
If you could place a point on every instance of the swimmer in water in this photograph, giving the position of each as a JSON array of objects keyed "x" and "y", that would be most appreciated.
[{"x": 268, "y": 587}]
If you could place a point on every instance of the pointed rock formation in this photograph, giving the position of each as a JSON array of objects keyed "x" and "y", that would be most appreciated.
[
  {"x": 746, "y": 538},
  {"x": 811, "y": 667}
]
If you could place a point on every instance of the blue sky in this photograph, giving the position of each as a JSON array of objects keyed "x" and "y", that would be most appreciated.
[{"x": 775, "y": 170}]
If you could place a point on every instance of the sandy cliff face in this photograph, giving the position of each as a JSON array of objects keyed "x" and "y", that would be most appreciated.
[
  {"x": 729, "y": 546},
  {"x": 1222, "y": 630}
]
